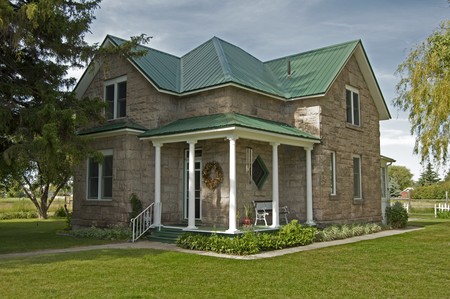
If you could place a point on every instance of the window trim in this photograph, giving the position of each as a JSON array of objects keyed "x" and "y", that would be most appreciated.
[
  {"x": 114, "y": 82},
  {"x": 100, "y": 178},
  {"x": 360, "y": 195},
  {"x": 333, "y": 172},
  {"x": 353, "y": 91}
]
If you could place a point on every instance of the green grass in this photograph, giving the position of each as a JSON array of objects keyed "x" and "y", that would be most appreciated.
[
  {"x": 13, "y": 204},
  {"x": 34, "y": 234},
  {"x": 411, "y": 265}
]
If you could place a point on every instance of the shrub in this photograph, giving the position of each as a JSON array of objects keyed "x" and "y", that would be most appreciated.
[
  {"x": 68, "y": 225},
  {"x": 338, "y": 232},
  {"x": 293, "y": 234},
  {"x": 397, "y": 216},
  {"x": 240, "y": 245},
  {"x": 136, "y": 205},
  {"x": 112, "y": 233},
  {"x": 60, "y": 212},
  {"x": 19, "y": 215},
  {"x": 443, "y": 215}
]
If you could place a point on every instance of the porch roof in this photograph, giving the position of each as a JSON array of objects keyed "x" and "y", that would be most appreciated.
[
  {"x": 226, "y": 124},
  {"x": 112, "y": 127}
]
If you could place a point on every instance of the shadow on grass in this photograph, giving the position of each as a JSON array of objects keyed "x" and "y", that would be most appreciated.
[{"x": 101, "y": 255}]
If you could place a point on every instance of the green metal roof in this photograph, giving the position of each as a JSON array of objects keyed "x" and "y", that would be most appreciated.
[
  {"x": 217, "y": 62},
  {"x": 225, "y": 120},
  {"x": 113, "y": 126},
  {"x": 312, "y": 72}
]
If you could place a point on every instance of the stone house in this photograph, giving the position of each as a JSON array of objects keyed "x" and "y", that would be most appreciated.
[{"x": 301, "y": 131}]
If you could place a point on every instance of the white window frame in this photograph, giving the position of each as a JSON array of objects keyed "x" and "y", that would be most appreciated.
[
  {"x": 360, "y": 195},
  {"x": 353, "y": 91},
  {"x": 115, "y": 82},
  {"x": 333, "y": 172},
  {"x": 100, "y": 178}
]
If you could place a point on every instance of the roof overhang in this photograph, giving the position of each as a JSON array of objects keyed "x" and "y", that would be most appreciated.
[
  {"x": 91, "y": 71},
  {"x": 233, "y": 131},
  {"x": 385, "y": 159},
  {"x": 112, "y": 133},
  {"x": 371, "y": 81}
]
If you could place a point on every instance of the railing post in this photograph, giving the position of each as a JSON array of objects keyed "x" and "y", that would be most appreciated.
[{"x": 132, "y": 222}]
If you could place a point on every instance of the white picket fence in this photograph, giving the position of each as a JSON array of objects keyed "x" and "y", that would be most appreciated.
[
  {"x": 406, "y": 207},
  {"x": 441, "y": 207}
]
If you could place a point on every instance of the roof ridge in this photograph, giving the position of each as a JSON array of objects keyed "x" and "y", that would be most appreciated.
[
  {"x": 143, "y": 46},
  {"x": 315, "y": 50},
  {"x": 222, "y": 58}
]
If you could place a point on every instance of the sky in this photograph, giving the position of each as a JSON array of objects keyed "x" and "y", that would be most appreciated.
[{"x": 270, "y": 29}]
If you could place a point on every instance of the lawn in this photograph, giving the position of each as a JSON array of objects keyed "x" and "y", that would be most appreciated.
[
  {"x": 21, "y": 235},
  {"x": 411, "y": 265},
  {"x": 23, "y": 204}
]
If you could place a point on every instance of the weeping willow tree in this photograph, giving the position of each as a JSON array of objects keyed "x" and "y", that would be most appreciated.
[
  {"x": 39, "y": 114},
  {"x": 424, "y": 92}
]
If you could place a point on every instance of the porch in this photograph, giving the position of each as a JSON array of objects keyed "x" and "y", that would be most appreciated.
[{"x": 229, "y": 127}]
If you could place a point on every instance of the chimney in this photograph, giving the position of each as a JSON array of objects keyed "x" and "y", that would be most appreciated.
[{"x": 289, "y": 69}]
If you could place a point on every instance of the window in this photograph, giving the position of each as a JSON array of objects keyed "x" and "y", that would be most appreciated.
[
  {"x": 383, "y": 182},
  {"x": 357, "y": 194},
  {"x": 116, "y": 98},
  {"x": 100, "y": 177},
  {"x": 333, "y": 173},
  {"x": 352, "y": 105},
  {"x": 259, "y": 172}
]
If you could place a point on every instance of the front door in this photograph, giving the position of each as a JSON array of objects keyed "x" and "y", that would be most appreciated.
[{"x": 198, "y": 185}]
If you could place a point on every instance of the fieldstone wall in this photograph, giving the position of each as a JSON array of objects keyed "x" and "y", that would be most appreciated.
[
  {"x": 323, "y": 116},
  {"x": 131, "y": 167},
  {"x": 328, "y": 118}
]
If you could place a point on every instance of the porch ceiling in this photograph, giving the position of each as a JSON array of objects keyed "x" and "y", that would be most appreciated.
[{"x": 230, "y": 124}]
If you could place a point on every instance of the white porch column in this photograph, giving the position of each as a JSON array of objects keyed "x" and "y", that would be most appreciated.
[
  {"x": 309, "y": 201},
  {"x": 157, "y": 207},
  {"x": 191, "y": 199},
  {"x": 275, "y": 191},
  {"x": 232, "y": 207}
]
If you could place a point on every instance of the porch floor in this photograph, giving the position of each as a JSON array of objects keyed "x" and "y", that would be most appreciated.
[{"x": 220, "y": 229}]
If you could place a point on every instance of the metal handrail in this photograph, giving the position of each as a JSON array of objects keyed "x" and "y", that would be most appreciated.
[{"x": 142, "y": 222}]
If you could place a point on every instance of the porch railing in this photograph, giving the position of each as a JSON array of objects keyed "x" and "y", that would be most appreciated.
[{"x": 142, "y": 222}]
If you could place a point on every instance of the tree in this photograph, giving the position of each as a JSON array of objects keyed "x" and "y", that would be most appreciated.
[
  {"x": 401, "y": 175},
  {"x": 39, "y": 114},
  {"x": 447, "y": 176},
  {"x": 428, "y": 177},
  {"x": 424, "y": 91},
  {"x": 394, "y": 187}
]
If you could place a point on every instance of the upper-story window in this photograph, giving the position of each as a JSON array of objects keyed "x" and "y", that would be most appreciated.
[
  {"x": 352, "y": 105},
  {"x": 116, "y": 98}
]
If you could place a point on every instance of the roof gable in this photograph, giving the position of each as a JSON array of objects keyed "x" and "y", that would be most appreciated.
[{"x": 217, "y": 63}]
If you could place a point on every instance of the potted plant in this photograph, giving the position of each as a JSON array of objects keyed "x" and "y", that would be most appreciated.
[{"x": 248, "y": 214}]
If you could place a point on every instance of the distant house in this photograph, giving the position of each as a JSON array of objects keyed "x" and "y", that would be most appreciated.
[
  {"x": 406, "y": 194},
  {"x": 301, "y": 130}
]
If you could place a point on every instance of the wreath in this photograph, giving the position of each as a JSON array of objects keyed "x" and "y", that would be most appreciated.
[{"x": 212, "y": 181}]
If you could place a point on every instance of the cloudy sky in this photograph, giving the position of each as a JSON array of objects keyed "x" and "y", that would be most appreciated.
[{"x": 270, "y": 29}]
